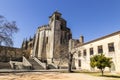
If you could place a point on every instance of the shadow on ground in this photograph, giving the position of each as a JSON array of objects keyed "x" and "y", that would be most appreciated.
[{"x": 111, "y": 76}]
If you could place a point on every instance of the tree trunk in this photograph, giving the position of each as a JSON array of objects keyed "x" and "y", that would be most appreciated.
[
  {"x": 102, "y": 71},
  {"x": 70, "y": 62}
]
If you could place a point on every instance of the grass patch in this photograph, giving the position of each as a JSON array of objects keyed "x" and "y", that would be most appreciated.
[
  {"x": 110, "y": 75},
  {"x": 106, "y": 74}
]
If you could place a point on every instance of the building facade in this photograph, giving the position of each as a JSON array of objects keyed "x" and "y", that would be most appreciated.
[
  {"x": 53, "y": 41},
  {"x": 108, "y": 45},
  {"x": 50, "y": 41}
]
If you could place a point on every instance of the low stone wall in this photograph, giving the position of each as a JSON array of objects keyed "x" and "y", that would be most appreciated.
[
  {"x": 16, "y": 65},
  {"x": 10, "y": 53}
]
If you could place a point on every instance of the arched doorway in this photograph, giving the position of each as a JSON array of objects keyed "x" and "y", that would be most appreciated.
[{"x": 112, "y": 66}]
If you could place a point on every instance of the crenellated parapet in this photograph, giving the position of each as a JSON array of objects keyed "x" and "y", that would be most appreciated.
[{"x": 44, "y": 27}]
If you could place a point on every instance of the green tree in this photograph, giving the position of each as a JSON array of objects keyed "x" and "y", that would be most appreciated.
[
  {"x": 100, "y": 61},
  {"x": 7, "y": 29}
]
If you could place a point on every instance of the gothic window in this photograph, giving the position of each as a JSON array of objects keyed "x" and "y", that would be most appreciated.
[
  {"x": 111, "y": 47},
  {"x": 61, "y": 26},
  {"x": 57, "y": 18},
  {"x": 61, "y": 40},
  {"x": 69, "y": 36},
  {"x": 100, "y": 49},
  {"x": 65, "y": 35},
  {"x": 84, "y": 52},
  {"x": 91, "y": 51},
  {"x": 46, "y": 40}
]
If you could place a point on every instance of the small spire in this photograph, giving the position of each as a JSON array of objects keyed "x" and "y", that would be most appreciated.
[
  {"x": 56, "y": 11},
  {"x": 30, "y": 39}
]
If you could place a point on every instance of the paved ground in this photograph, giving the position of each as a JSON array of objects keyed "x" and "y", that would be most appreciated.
[{"x": 49, "y": 76}]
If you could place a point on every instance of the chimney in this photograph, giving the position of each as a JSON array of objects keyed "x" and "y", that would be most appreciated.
[{"x": 81, "y": 40}]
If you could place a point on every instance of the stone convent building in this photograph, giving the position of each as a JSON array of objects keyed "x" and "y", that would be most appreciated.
[
  {"x": 50, "y": 46},
  {"x": 50, "y": 43},
  {"x": 108, "y": 45}
]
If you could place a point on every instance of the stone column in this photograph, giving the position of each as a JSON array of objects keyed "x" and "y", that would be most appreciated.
[
  {"x": 35, "y": 45},
  {"x": 41, "y": 44}
]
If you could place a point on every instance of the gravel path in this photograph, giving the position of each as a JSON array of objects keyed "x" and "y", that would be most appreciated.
[{"x": 49, "y": 76}]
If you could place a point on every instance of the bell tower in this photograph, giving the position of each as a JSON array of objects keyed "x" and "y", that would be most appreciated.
[
  {"x": 54, "y": 24},
  {"x": 59, "y": 37},
  {"x": 55, "y": 16}
]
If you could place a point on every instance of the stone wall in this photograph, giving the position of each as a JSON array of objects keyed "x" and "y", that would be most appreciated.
[
  {"x": 50, "y": 43},
  {"x": 10, "y": 53}
]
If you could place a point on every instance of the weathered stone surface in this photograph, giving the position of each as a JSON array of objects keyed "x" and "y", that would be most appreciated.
[
  {"x": 51, "y": 41},
  {"x": 10, "y": 53}
]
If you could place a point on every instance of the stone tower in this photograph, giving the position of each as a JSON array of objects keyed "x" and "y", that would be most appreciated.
[{"x": 51, "y": 40}]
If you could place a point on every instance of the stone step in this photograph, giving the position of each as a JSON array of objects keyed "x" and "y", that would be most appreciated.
[
  {"x": 50, "y": 66},
  {"x": 34, "y": 64}
]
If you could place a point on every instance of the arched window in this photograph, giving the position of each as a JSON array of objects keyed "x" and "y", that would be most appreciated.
[
  {"x": 112, "y": 66},
  {"x": 46, "y": 40},
  {"x": 57, "y": 17}
]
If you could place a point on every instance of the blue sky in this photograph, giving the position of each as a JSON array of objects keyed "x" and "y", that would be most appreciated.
[{"x": 90, "y": 18}]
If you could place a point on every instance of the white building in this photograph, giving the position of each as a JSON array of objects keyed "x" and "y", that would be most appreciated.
[{"x": 109, "y": 45}]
